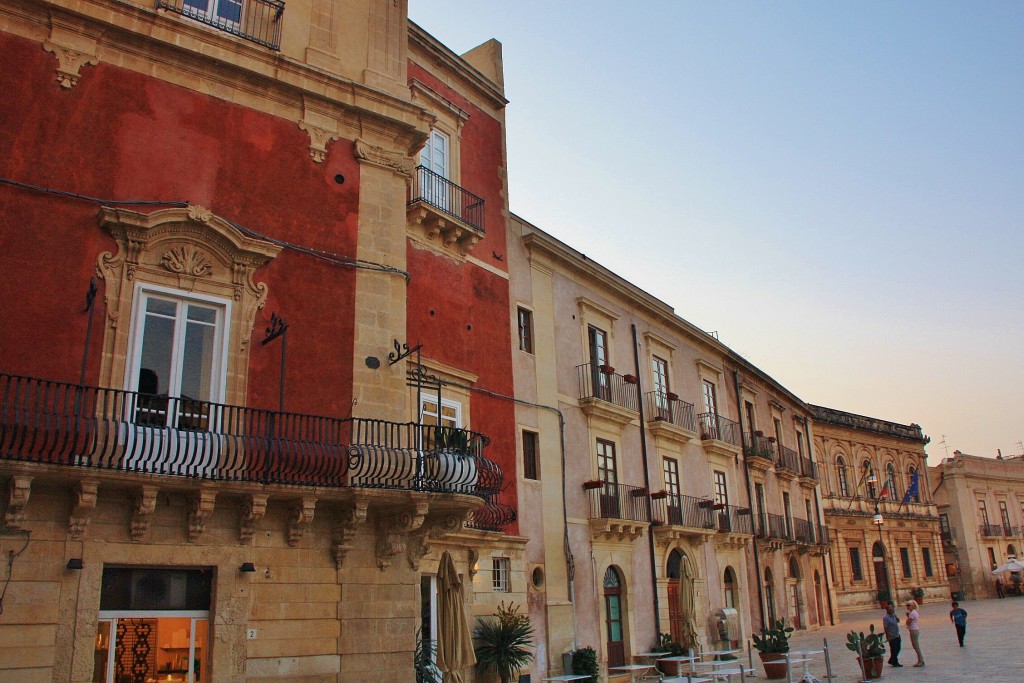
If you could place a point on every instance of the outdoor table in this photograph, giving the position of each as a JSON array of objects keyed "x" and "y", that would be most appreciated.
[
  {"x": 569, "y": 677},
  {"x": 806, "y": 656},
  {"x": 653, "y": 656},
  {"x": 727, "y": 674},
  {"x": 632, "y": 670},
  {"x": 717, "y": 653},
  {"x": 679, "y": 659},
  {"x": 687, "y": 679}
]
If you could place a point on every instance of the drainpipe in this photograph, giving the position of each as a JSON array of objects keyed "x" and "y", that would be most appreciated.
[
  {"x": 750, "y": 499},
  {"x": 817, "y": 512},
  {"x": 647, "y": 484}
]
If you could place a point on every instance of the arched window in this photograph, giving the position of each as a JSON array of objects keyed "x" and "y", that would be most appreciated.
[
  {"x": 868, "y": 473},
  {"x": 890, "y": 480},
  {"x": 729, "y": 585},
  {"x": 794, "y": 568},
  {"x": 1011, "y": 551},
  {"x": 844, "y": 483},
  {"x": 614, "y": 618}
]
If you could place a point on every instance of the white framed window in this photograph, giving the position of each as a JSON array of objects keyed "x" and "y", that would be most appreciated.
[
  {"x": 178, "y": 356},
  {"x": 223, "y": 12},
  {"x": 428, "y": 612},
  {"x": 501, "y": 577},
  {"x": 451, "y": 411},
  {"x": 435, "y": 154}
]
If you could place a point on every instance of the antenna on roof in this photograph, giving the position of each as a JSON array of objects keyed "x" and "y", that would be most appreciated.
[{"x": 944, "y": 445}]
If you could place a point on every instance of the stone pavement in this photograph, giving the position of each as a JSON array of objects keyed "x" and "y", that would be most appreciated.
[{"x": 993, "y": 649}]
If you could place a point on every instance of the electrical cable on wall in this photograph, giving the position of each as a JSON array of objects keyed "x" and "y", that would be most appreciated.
[
  {"x": 10, "y": 561},
  {"x": 329, "y": 257}
]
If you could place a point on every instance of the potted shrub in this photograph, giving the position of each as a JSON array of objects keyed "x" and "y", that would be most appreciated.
[
  {"x": 671, "y": 648},
  {"x": 872, "y": 650},
  {"x": 607, "y": 369},
  {"x": 883, "y": 596},
  {"x": 772, "y": 645},
  {"x": 423, "y": 660},
  {"x": 584, "y": 663},
  {"x": 629, "y": 379},
  {"x": 592, "y": 484},
  {"x": 503, "y": 642},
  {"x": 658, "y": 495},
  {"x": 918, "y": 593}
]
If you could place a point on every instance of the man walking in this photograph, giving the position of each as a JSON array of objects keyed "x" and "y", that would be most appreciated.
[
  {"x": 999, "y": 588},
  {"x": 958, "y": 616},
  {"x": 891, "y": 626}
]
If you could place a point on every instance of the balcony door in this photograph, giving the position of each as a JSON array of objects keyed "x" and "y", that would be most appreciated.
[
  {"x": 659, "y": 373},
  {"x": 598, "y": 343},
  {"x": 609, "y": 478},
  {"x": 435, "y": 157},
  {"x": 227, "y": 13},
  {"x": 675, "y": 510}
]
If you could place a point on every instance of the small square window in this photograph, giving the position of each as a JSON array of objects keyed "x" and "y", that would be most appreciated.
[
  {"x": 530, "y": 469},
  {"x": 501, "y": 577},
  {"x": 525, "y": 319}
]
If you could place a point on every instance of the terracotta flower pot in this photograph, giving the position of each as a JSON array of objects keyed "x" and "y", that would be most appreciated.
[
  {"x": 774, "y": 664},
  {"x": 872, "y": 667}
]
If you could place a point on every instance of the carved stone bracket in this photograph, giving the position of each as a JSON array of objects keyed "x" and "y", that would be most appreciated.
[
  {"x": 344, "y": 532},
  {"x": 143, "y": 506},
  {"x": 434, "y": 529},
  {"x": 320, "y": 122},
  {"x": 253, "y": 508},
  {"x": 18, "y": 490},
  {"x": 70, "y": 62},
  {"x": 202, "y": 508},
  {"x": 300, "y": 518},
  {"x": 376, "y": 155},
  {"x": 393, "y": 531},
  {"x": 81, "y": 511},
  {"x": 318, "y": 140},
  {"x": 74, "y": 45}
]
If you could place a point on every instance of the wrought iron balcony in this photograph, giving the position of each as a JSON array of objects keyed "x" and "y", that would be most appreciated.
[
  {"x": 493, "y": 516},
  {"x": 89, "y": 427},
  {"x": 824, "y": 537},
  {"x": 759, "y": 446},
  {"x": 772, "y": 526},
  {"x": 991, "y": 530},
  {"x": 666, "y": 407},
  {"x": 602, "y": 382},
  {"x": 734, "y": 520},
  {"x": 946, "y": 536},
  {"x": 618, "y": 501},
  {"x": 442, "y": 194},
  {"x": 803, "y": 531},
  {"x": 255, "y": 20},
  {"x": 808, "y": 468},
  {"x": 679, "y": 510},
  {"x": 718, "y": 428},
  {"x": 787, "y": 459}
]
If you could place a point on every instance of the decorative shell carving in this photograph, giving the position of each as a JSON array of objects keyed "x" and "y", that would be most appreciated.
[{"x": 187, "y": 260}]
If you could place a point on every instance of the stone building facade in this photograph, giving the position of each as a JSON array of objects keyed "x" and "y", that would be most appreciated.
[
  {"x": 981, "y": 510},
  {"x": 252, "y": 251},
  {"x": 868, "y": 465}
]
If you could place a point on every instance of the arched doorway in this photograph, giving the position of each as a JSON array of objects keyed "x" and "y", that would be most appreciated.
[
  {"x": 1011, "y": 551},
  {"x": 769, "y": 596},
  {"x": 818, "y": 603},
  {"x": 881, "y": 573},
  {"x": 795, "y": 601},
  {"x": 614, "y": 617},
  {"x": 681, "y": 606},
  {"x": 730, "y": 588}
]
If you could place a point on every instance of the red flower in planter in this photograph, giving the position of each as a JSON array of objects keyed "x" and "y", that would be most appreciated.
[
  {"x": 629, "y": 379},
  {"x": 658, "y": 495},
  {"x": 672, "y": 397},
  {"x": 593, "y": 484},
  {"x": 607, "y": 369}
]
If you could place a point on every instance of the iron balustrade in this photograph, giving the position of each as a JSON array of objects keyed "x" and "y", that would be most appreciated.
[
  {"x": 946, "y": 535},
  {"x": 60, "y": 423},
  {"x": 788, "y": 459},
  {"x": 770, "y": 525},
  {"x": 680, "y": 510},
  {"x": 258, "y": 21},
  {"x": 991, "y": 530},
  {"x": 493, "y": 516},
  {"x": 824, "y": 538},
  {"x": 444, "y": 195},
  {"x": 619, "y": 501},
  {"x": 675, "y": 411},
  {"x": 803, "y": 531},
  {"x": 1011, "y": 531},
  {"x": 808, "y": 468},
  {"x": 719, "y": 428},
  {"x": 734, "y": 520},
  {"x": 759, "y": 446},
  {"x": 607, "y": 386}
]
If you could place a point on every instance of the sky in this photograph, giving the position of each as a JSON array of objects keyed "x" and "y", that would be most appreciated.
[{"x": 835, "y": 188}]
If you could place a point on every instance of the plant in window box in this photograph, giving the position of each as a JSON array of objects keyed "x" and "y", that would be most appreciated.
[
  {"x": 607, "y": 369},
  {"x": 672, "y": 396},
  {"x": 705, "y": 503},
  {"x": 592, "y": 484},
  {"x": 871, "y": 649},
  {"x": 639, "y": 493},
  {"x": 659, "y": 495},
  {"x": 629, "y": 379},
  {"x": 718, "y": 506},
  {"x": 772, "y": 645},
  {"x": 759, "y": 433}
]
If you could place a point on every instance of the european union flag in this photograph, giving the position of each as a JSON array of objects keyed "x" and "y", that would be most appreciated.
[{"x": 914, "y": 490}]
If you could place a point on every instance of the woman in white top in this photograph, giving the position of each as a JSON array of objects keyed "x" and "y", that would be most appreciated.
[{"x": 914, "y": 627}]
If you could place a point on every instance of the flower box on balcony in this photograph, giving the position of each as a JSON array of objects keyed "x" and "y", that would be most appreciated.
[
  {"x": 743, "y": 511},
  {"x": 672, "y": 396},
  {"x": 758, "y": 433},
  {"x": 590, "y": 485},
  {"x": 718, "y": 506},
  {"x": 638, "y": 493},
  {"x": 771, "y": 439},
  {"x": 705, "y": 503},
  {"x": 606, "y": 369},
  {"x": 658, "y": 495},
  {"x": 629, "y": 379}
]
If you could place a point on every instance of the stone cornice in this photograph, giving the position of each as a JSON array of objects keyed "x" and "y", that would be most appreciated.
[
  {"x": 418, "y": 38},
  {"x": 840, "y": 418}
]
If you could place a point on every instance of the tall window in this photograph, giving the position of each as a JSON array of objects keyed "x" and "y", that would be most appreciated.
[
  {"x": 905, "y": 561},
  {"x": 810, "y": 514},
  {"x": 777, "y": 423},
  {"x": 179, "y": 359},
  {"x": 769, "y": 595},
  {"x": 607, "y": 474},
  {"x": 751, "y": 422},
  {"x": 525, "y": 318},
  {"x": 1004, "y": 516},
  {"x": 762, "y": 520},
  {"x": 435, "y": 154},
  {"x": 729, "y": 585},
  {"x": 992, "y": 557},
  {"x": 844, "y": 483},
  {"x": 708, "y": 394},
  {"x": 855, "y": 568},
  {"x": 671, "y": 468},
  {"x": 501, "y": 578},
  {"x": 721, "y": 492},
  {"x": 598, "y": 340},
  {"x": 983, "y": 512},
  {"x": 799, "y": 443},
  {"x": 890, "y": 480},
  {"x": 926, "y": 557},
  {"x": 787, "y": 509},
  {"x": 659, "y": 372},
  {"x": 530, "y": 469},
  {"x": 944, "y": 524}
]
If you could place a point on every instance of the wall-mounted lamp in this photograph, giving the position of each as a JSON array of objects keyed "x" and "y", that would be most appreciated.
[
  {"x": 75, "y": 563},
  {"x": 474, "y": 561},
  {"x": 247, "y": 568}
]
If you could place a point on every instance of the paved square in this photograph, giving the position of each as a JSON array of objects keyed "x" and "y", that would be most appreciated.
[{"x": 993, "y": 649}]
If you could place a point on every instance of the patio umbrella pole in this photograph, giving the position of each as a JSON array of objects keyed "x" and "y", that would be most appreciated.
[{"x": 828, "y": 661}]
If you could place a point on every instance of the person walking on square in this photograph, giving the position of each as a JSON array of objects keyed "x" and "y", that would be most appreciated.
[
  {"x": 914, "y": 626},
  {"x": 958, "y": 616},
  {"x": 891, "y": 626},
  {"x": 999, "y": 588}
]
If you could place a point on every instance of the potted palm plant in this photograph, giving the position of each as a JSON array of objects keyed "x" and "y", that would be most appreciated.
[
  {"x": 871, "y": 649},
  {"x": 772, "y": 646},
  {"x": 503, "y": 642}
]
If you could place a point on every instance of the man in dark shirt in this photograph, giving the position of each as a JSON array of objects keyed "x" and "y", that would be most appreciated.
[
  {"x": 891, "y": 626},
  {"x": 958, "y": 615}
]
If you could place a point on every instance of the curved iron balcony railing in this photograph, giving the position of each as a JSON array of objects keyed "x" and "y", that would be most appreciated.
[
  {"x": 659, "y": 406},
  {"x": 66, "y": 424},
  {"x": 680, "y": 510},
  {"x": 493, "y": 516},
  {"x": 719, "y": 428},
  {"x": 618, "y": 501},
  {"x": 447, "y": 197},
  {"x": 601, "y": 381},
  {"x": 255, "y": 20}
]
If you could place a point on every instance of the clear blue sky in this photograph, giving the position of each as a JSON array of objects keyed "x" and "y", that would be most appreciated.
[{"x": 836, "y": 188}]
